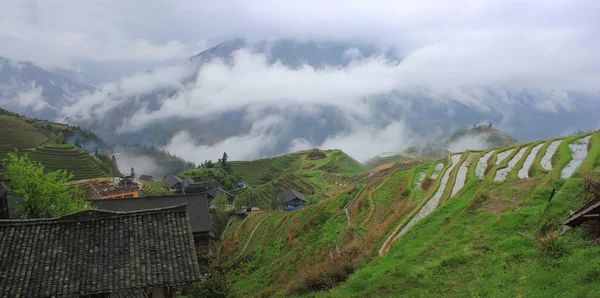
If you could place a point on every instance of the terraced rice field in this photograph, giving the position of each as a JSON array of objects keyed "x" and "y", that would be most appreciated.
[
  {"x": 261, "y": 171},
  {"x": 547, "y": 158},
  {"x": 524, "y": 171},
  {"x": 482, "y": 164},
  {"x": 18, "y": 134},
  {"x": 461, "y": 176},
  {"x": 436, "y": 171},
  {"x": 433, "y": 202},
  {"x": 503, "y": 155},
  {"x": 151, "y": 188},
  {"x": 339, "y": 162},
  {"x": 579, "y": 150},
  {"x": 501, "y": 174},
  {"x": 74, "y": 160}
]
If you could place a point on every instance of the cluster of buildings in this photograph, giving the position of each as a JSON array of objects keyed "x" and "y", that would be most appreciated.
[
  {"x": 136, "y": 246},
  {"x": 128, "y": 245}
]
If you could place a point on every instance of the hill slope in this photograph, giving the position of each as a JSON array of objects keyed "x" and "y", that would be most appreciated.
[
  {"x": 44, "y": 142},
  {"x": 318, "y": 179},
  {"x": 389, "y": 237}
]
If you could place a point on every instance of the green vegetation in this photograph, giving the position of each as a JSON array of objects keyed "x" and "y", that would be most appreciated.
[
  {"x": 152, "y": 188},
  {"x": 41, "y": 141},
  {"x": 318, "y": 179},
  {"x": 41, "y": 194},
  {"x": 73, "y": 160},
  {"x": 226, "y": 180},
  {"x": 488, "y": 235}
]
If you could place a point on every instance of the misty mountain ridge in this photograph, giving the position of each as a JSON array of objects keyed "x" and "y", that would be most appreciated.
[
  {"x": 34, "y": 91},
  {"x": 294, "y": 53},
  {"x": 182, "y": 109}
]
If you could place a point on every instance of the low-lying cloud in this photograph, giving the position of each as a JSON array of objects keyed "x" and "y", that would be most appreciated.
[{"x": 470, "y": 142}]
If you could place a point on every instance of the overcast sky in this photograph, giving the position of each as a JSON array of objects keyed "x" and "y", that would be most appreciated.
[
  {"x": 138, "y": 35},
  {"x": 468, "y": 51}
]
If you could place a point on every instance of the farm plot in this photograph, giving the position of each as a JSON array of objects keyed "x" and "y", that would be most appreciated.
[
  {"x": 433, "y": 202},
  {"x": 503, "y": 173},
  {"x": 524, "y": 171},
  {"x": 579, "y": 150},
  {"x": 482, "y": 165},
  {"x": 547, "y": 159}
]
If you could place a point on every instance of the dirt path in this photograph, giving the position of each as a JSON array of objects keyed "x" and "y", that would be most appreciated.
[
  {"x": 524, "y": 171},
  {"x": 482, "y": 164},
  {"x": 579, "y": 151},
  {"x": 503, "y": 173},
  {"x": 547, "y": 159},
  {"x": 252, "y": 234}
]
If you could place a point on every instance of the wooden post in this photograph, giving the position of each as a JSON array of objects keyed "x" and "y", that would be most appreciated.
[{"x": 551, "y": 195}]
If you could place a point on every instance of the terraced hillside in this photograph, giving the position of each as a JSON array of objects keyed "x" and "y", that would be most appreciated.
[
  {"x": 431, "y": 230},
  {"x": 34, "y": 138},
  {"x": 317, "y": 178},
  {"x": 75, "y": 160},
  {"x": 384, "y": 158}
]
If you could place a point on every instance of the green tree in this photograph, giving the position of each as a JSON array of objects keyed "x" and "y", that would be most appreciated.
[
  {"x": 60, "y": 138},
  {"x": 38, "y": 194}
]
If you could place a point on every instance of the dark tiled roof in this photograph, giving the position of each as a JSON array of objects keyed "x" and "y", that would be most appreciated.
[
  {"x": 288, "y": 195},
  {"x": 145, "y": 177},
  {"x": 96, "y": 251},
  {"x": 172, "y": 181},
  {"x": 198, "y": 209},
  {"x": 186, "y": 182}
]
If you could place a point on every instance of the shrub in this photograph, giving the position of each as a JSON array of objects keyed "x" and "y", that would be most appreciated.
[
  {"x": 549, "y": 245},
  {"x": 320, "y": 280},
  {"x": 427, "y": 183},
  {"x": 591, "y": 185},
  {"x": 405, "y": 193}
]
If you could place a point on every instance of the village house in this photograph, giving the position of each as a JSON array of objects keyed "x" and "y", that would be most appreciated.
[
  {"x": 173, "y": 183},
  {"x": 212, "y": 189},
  {"x": 197, "y": 208},
  {"x": 114, "y": 188},
  {"x": 99, "y": 254},
  {"x": 146, "y": 178},
  {"x": 291, "y": 200}
]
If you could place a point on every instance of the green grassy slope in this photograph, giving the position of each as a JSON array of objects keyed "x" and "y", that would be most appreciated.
[
  {"x": 38, "y": 139},
  {"x": 317, "y": 179},
  {"x": 489, "y": 235},
  {"x": 72, "y": 159}
]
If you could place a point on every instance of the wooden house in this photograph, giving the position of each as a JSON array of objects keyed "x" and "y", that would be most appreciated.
[
  {"x": 173, "y": 183},
  {"x": 291, "y": 200}
]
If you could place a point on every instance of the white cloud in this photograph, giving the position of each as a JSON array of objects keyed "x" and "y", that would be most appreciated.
[
  {"x": 243, "y": 147},
  {"x": 477, "y": 142},
  {"x": 366, "y": 142},
  {"x": 24, "y": 96}
]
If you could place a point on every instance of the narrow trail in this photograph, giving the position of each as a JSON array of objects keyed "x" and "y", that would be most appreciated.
[
  {"x": 371, "y": 209},
  {"x": 547, "y": 159},
  {"x": 226, "y": 227},
  {"x": 251, "y": 235},
  {"x": 503, "y": 173},
  {"x": 524, "y": 171},
  {"x": 482, "y": 164},
  {"x": 503, "y": 155},
  {"x": 461, "y": 176},
  {"x": 425, "y": 210},
  {"x": 579, "y": 151},
  {"x": 346, "y": 211}
]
